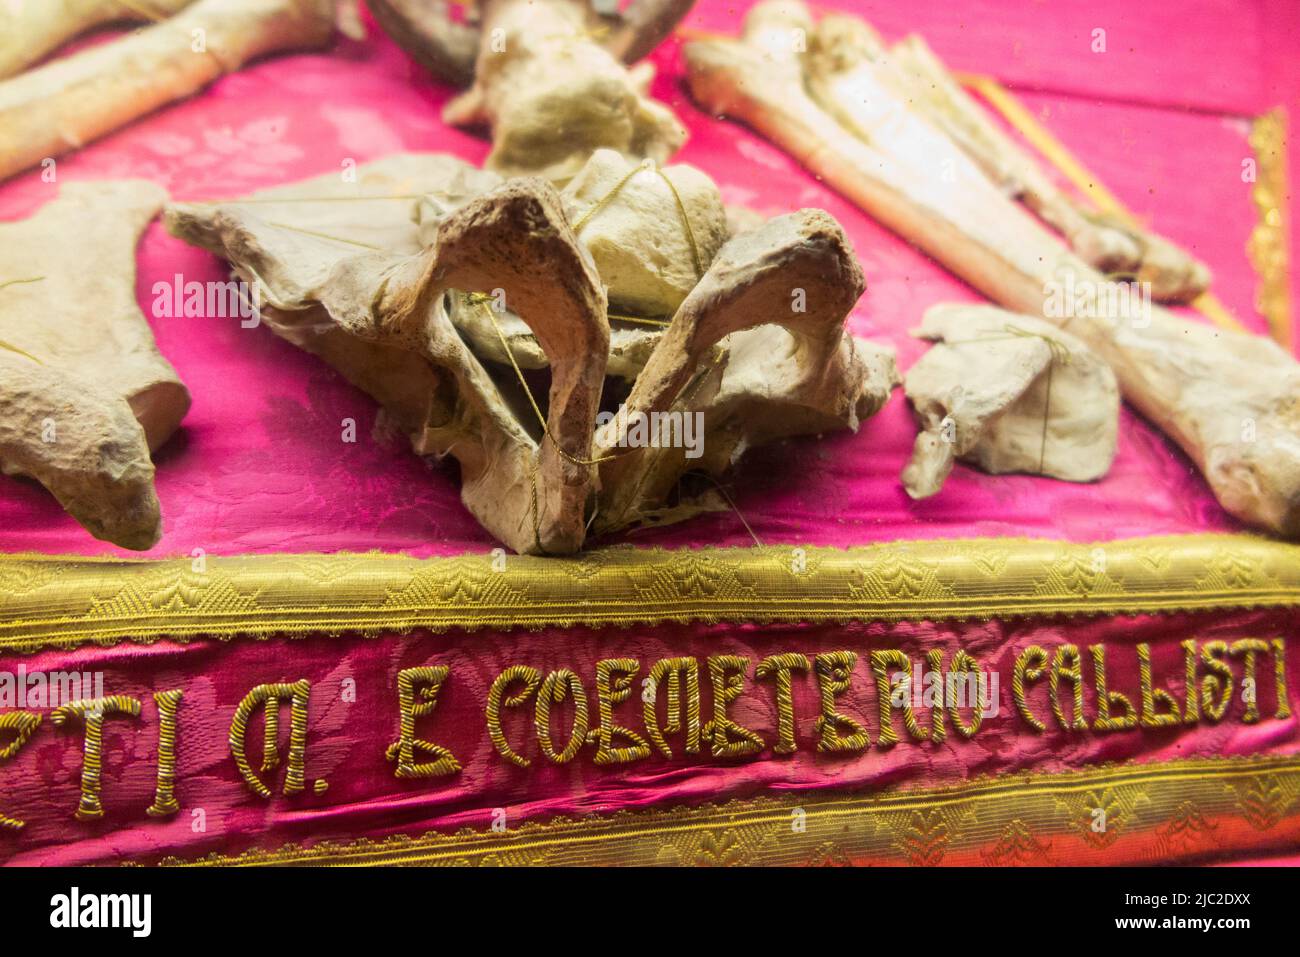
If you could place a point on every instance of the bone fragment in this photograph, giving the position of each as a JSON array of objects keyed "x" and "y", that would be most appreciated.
[
  {"x": 780, "y": 371},
  {"x": 31, "y": 29},
  {"x": 84, "y": 394},
  {"x": 551, "y": 94},
  {"x": 70, "y": 102},
  {"x": 1008, "y": 393},
  {"x": 372, "y": 290},
  {"x": 650, "y": 252},
  {"x": 371, "y": 300},
  {"x": 848, "y": 53}
]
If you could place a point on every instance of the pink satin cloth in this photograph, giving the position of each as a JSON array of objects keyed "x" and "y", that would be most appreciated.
[{"x": 259, "y": 465}]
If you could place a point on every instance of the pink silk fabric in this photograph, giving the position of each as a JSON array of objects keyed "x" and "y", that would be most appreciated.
[{"x": 259, "y": 465}]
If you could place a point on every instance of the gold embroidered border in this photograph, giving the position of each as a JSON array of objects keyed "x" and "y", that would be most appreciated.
[
  {"x": 1268, "y": 241},
  {"x": 60, "y": 602},
  {"x": 1154, "y": 812}
]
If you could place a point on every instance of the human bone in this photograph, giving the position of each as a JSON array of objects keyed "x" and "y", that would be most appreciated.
[
  {"x": 85, "y": 395},
  {"x": 1007, "y": 393},
  {"x": 72, "y": 101},
  {"x": 549, "y": 77},
  {"x": 354, "y": 283},
  {"x": 29, "y": 30}
]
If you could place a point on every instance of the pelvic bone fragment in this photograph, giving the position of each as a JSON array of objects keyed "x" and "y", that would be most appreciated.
[
  {"x": 84, "y": 394},
  {"x": 353, "y": 283}
]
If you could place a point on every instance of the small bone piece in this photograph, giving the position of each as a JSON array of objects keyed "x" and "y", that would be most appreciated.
[
  {"x": 29, "y": 29},
  {"x": 548, "y": 78},
  {"x": 84, "y": 394},
  {"x": 70, "y": 102},
  {"x": 1008, "y": 393},
  {"x": 1228, "y": 399}
]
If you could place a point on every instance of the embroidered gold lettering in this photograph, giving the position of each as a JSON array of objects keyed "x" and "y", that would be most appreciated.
[
  {"x": 164, "y": 795},
  {"x": 22, "y": 724},
  {"x": 670, "y": 674},
  {"x": 779, "y": 668},
  {"x": 613, "y": 687},
  {"x": 92, "y": 712},
  {"x": 729, "y": 739},
  {"x": 558, "y": 686},
  {"x": 296, "y": 693},
  {"x": 423, "y": 683},
  {"x": 497, "y": 699},
  {"x": 834, "y": 672}
]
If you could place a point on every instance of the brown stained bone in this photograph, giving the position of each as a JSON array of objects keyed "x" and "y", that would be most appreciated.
[
  {"x": 84, "y": 394},
  {"x": 787, "y": 366},
  {"x": 30, "y": 30},
  {"x": 1007, "y": 393},
  {"x": 1228, "y": 399},
  {"x": 372, "y": 312},
  {"x": 551, "y": 93},
  {"x": 70, "y": 102}
]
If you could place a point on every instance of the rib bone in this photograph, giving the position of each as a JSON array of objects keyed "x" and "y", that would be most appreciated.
[
  {"x": 84, "y": 394},
  {"x": 1228, "y": 399}
]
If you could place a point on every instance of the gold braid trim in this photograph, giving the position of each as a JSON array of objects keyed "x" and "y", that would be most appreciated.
[
  {"x": 1267, "y": 245},
  {"x": 1155, "y": 812},
  {"x": 65, "y": 601}
]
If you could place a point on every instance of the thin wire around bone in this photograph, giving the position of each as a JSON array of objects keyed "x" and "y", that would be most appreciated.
[
  {"x": 1059, "y": 352},
  {"x": 605, "y": 200}
]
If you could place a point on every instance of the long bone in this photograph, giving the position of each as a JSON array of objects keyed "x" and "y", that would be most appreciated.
[
  {"x": 84, "y": 394},
  {"x": 548, "y": 78},
  {"x": 378, "y": 315},
  {"x": 65, "y": 104},
  {"x": 29, "y": 30},
  {"x": 1228, "y": 399},
  {"x": 849, "y": 62}
]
